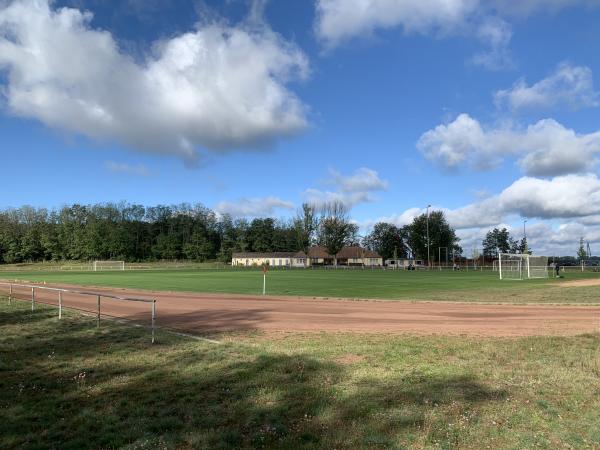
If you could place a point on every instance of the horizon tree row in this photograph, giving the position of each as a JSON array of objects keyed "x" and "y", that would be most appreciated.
[{"x": 134, "y": 232}]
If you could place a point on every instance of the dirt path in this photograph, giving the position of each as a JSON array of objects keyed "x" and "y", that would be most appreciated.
[
  {"x": 209, "y": 313},
  {"x": 580, "y": 283}
]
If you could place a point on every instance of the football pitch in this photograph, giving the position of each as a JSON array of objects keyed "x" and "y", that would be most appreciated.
[
  {"x": 289, "y": 371},
  {"x": 447, "y": 285}
]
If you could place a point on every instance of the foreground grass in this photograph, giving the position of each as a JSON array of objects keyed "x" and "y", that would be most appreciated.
[
  {"x": 66, "y": 384},
  {"x": 419, "y": 285}
]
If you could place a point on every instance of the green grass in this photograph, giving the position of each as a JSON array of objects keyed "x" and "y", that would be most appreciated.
[
  {"x": 66, "y": 384},
  {"x": 419, "y": 285}
]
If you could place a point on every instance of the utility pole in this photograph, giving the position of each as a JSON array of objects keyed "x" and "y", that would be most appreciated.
[{"x": 525, "y": 250}]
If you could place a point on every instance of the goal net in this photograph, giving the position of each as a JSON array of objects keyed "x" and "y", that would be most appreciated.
[
  {"x": 522, "y": 266},
  {"x": 108, "y": 265},
  {"x": 538, "y": 266}
]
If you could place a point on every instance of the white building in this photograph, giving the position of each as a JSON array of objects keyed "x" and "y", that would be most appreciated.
[{"x": 272, "y": 259}]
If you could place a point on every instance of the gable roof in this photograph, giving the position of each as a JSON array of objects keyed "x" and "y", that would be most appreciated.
[
  {"x": 269, "y": 255},
  {"x": 356, "y": 252},
  {"x": 318, "y": 252}
]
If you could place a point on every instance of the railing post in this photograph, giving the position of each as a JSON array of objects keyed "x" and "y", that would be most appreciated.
[
  {"x": 98, "y": 318},
  {"x": 153, "y": 318},
  {"x": 59, "y": 305},
  {"x": 32, "y": 298},
  {"x": 10, "y": 294}
]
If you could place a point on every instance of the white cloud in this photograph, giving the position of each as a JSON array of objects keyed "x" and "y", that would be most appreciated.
[
  {"x": 399, "y": 220},
  {"x": 569, "y": 85},
  {"x": 339, "y": 20},
  {"x": 560, "y": 211},
  {"x": 523, "y": 8},
  {"x": 363, "y": 179},
  {"x": 496, "y": 34},
  {"x": 253, "y": 207},
  {"x": 565, "y": 197},
  {"x": 124, "y": 168},
  {"x": 546, "y": 148},
  {"x": 217, "y": 87},
  {"x": 318, "y": 197},
  {"x": 349, "y": 189},
  {"x": 547, "y": 239}
]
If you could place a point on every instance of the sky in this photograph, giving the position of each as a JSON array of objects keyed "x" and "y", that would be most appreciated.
[{"x": 486, "y": 109}]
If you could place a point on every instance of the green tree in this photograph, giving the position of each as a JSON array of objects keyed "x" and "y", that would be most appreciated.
[
  {"x": 524, "y": 246},
  {"x": 387, "y": 240},
  {"x": 581, "y": 252},
  {"x": 441, "y": 234},
  {"x": 305, "y": 226},
  {"x": 260, "y": 235},
  {"x": 495, "y": 240},
  {"x": 334, "y": 228},
  {"x": 228, "y": 238}
]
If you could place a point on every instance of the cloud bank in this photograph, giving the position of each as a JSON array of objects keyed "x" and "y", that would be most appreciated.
[
  {"x": 570, "y": 86},
  {"x": 339, "y": 20},
  {"x": 546, "y": 148},
  {"x": 253, "y": 207},
  {"x": 217, "y": 87},
  {"x": 348, "y": 189}
]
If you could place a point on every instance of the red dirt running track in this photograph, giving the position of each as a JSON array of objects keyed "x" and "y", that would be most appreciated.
[{"x": 208, "y": 313}]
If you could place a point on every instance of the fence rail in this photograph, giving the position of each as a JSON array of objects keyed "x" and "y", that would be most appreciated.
[{"x": 9, "y": 288}]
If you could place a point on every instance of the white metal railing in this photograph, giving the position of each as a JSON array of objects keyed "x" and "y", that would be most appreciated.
[{"x": 99, "y": 295}]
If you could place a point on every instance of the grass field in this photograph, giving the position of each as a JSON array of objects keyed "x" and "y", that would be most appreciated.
[
  {"x": 67, "y": 384},
  {"x": 420, "y": 285}
]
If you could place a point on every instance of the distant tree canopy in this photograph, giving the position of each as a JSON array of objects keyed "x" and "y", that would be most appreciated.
[
  {"x": 501, "y": 240},
  {"x": 496, "y": 240},
  {"x": 441, "y": 235},
  {"x": 581, "y": 251},
  {"x": 387, "y": 240},
  {"x": 334, "y": 229},
  {"x": 133, "y": 232}
]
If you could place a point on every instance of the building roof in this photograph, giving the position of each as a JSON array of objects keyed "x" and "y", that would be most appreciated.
[
  {"x": 356, "y": 252},
  {"x": 348, "y": 252},
  {"x": 269, "y": 255},
  {"x": 318, "y": 252}
]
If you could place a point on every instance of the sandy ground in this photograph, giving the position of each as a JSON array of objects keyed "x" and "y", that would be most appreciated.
[
  {"x": 580, "y": 283},
  {"x": 213, "y": 313}
]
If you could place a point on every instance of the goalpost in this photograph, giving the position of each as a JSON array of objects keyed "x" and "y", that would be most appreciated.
[
  {"x": 514, "y": 266},
  {"x": 108, "y": 265}
]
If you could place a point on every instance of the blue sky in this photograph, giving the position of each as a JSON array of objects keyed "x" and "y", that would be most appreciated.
[{"x": 484, "y": 108}]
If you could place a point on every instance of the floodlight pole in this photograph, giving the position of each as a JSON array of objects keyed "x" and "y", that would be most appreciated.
[
  {"x": 428, "y": 252},
  {"x": 500, "y": 263}
]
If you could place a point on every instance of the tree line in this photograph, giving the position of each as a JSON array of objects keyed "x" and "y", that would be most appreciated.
[
  {"x": 133, "y": 232},
  {"x": 500, "y": 240}
]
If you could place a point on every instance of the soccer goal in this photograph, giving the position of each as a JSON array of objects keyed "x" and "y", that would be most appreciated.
[
  {"x": 522, "y": 266},
  {"x": 108, "y": 265}
]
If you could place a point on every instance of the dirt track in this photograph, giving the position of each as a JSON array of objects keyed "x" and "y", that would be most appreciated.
[
  {"x": 209, "y": 313},
  {"x": 580, "y": 283}
]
